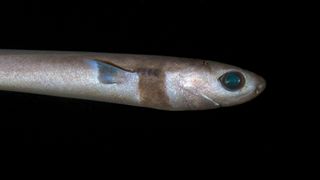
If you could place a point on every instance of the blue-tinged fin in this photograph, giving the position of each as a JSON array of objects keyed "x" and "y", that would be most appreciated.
[{"x": 109, "y": 73}]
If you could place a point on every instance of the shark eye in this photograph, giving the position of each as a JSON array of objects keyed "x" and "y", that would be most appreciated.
[{"x": 232, "y": 81}]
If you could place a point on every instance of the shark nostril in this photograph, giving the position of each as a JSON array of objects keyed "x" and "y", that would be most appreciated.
[
  {"x": 257, "y": 91},
  {"x": 260, "y": 88}
]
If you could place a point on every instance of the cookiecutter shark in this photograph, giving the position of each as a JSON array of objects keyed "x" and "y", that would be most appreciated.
[{"x": 160, "y": 82}]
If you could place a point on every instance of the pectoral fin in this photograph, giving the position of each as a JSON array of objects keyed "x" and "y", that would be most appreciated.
[{"x": 109, "y": 73}]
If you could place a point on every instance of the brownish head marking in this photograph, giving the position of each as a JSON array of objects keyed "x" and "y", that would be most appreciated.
[{"x": 152, "y": 88}]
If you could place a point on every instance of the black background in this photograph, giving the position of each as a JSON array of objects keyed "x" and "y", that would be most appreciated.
[{"x": 246, "y": 35}]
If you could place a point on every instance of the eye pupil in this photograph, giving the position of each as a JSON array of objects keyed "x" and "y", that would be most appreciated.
[{"x": 232, "y": 80}]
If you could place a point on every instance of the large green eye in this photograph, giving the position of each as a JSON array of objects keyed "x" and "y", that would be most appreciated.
[{"x": 232, "y": 81}]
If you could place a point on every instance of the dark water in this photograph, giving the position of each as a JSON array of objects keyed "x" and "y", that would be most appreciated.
[{"x": 236, "y": 34}]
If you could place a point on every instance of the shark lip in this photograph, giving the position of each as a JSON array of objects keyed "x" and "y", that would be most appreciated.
[
  {"x": 210, "y": 99},
  {"x": 203, "y": 96}
]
